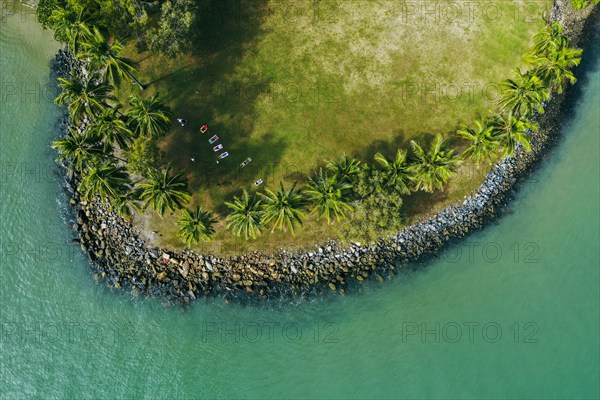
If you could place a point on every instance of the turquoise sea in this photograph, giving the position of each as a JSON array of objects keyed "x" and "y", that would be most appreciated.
[{"x": 511, "y": 312}]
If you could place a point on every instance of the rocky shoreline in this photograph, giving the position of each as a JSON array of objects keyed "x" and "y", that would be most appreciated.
[{"x": 123, "y": 260}]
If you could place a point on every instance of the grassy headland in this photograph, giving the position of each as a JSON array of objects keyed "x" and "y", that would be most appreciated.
[
  {"x": 292, "y": 84},
  {"x": 352, "y": 118}
]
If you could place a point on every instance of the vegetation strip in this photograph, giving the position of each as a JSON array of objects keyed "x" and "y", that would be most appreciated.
[{"x": 123, "y": 259}]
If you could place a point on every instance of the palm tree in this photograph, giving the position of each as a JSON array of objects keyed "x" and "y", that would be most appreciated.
[
  {"x": 70, "y": 28},
  {"x": 164, "y": 191},
  {"x": 107, "y": 57},
  {"x": 433, "y": 168},
  {"x": 523, "y": 95},
  {"x": 328, "y": 196},
  {"x": 245, "y": 217},
  {"x": 196, "y": 225},
  {"x": 124, "y": 202},
  {"x": 483, "y": 143},
  {"x": 549, "y": 39},
  {"x": 104, "y": 179},
  {"x": 283, "y": 209},
  {"x": 396, "y": 172},
  {"x": 345, "y": 168},
  {"x": 84, "y": 96},
  {"x": 80, "y": 148},
  {"x": 511, "y": 131},
  {"x": 554, "y": 68},
  {"x": 149, "y": 117},
  {"x": 109, "y": 126}
]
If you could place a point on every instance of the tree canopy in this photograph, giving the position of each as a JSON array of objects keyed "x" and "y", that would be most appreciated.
[
  {"x": 172, "y": 33},
  {"x": 165, "y": 24}
]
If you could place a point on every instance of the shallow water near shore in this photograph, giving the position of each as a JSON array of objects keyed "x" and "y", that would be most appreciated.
[{"x": 511, "y": 312}]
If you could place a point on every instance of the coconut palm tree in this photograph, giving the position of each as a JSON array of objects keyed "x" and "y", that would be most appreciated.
[
  {"x": 554, "y": 68},
  {"x": 148, "y": 116},
  {"x": 164, "y": 191},
  {"x": 84, "y": 96},
  {"x": 124, "y": 202},
  {"x": 70, "y": 27},
  {"x": 549, "y": 39},
  {"x": 80, "y": 148},
  {"x": 283, "y": 209},
  {"x": 245, "y": 217},
  {"x": 345, "y": 168},
  {"x": 511, "y": 131},
  {"x": 524, "y": 95},
  {"x": 433, "y": 168},
  {"x": 105, "y": 179},
  {"x": 196, "y": 225},
  {"x": 328, "y": 196},
  {"x": 483, "y": 142},
  {"x": 106, "y": 57},
  {"x": 396, "y": 172},
  {"x": 109, "y": 126}
]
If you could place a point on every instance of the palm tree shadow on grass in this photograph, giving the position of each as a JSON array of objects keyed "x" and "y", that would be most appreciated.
[
  {"x": 389, "y": 147},
  {"x": 216, "y": 91},
  {"x": 229, "y": 172},
  {"x": 226, "y": 23},
  {"x": 166, "y": 77},
  {"x": 419, "y": 200}
]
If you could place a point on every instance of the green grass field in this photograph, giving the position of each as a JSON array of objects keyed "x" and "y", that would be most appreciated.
[{"x": 294, "y": 83}]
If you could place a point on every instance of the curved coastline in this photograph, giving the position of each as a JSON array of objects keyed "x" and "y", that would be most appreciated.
[{"x": 121, "y": 258}]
